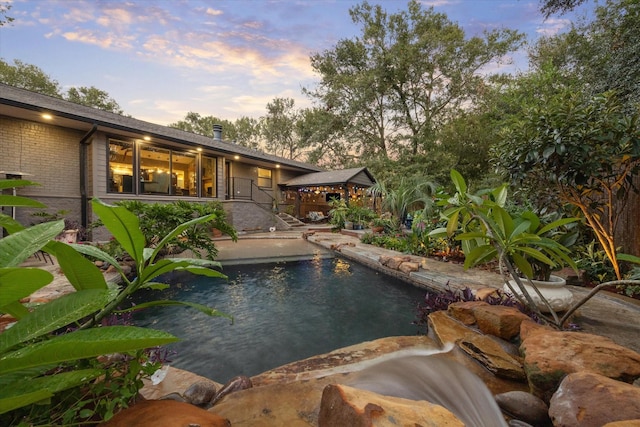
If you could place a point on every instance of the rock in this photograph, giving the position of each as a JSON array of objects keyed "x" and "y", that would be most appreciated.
[
  {"x": 499, "y": 320},
  {"x": 165, "y": 413},
  {"x": 200, "y": 393},
  {"x": 393, "y": 262},
  {"x": 463, "y": 311},
  {"x": 587, "y": 399},
  {"x": 234, "y": 384},
  {"x": 524, "y": 407},
  {"x": 346, "y": 406},
  {"x": 175, "y": 381},
  {"x": 447, "y": 329},
  {"x": 408, "y": 267},
  {"x": 550, "y": 356},
  {"x": 529, "y": 327},
  {"x": 483, "y": 293},
  {"x": 492, "y": 356}
]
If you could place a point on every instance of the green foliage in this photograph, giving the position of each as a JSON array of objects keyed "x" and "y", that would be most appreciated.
[
  {"x": 338, "y": 213},
  {"x": 381, "y": 86},
  {"x": 93, "y": 97},
  {"x": 52, "y": 348},
  {"x": 588, "y": 150},
  {"x": 405, "y": 196},
  {"x": 158, "y": 219}
]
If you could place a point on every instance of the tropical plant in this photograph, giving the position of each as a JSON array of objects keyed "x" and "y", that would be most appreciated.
[
  {"x": 490, "y": 233},
  {"x": 407, "y": 195},
  {"x": 158, "y": 219},
  {"x": 48, "y": 349},
  {"x": 338, "y": 213},
  {"x": 587, "y": 150}
]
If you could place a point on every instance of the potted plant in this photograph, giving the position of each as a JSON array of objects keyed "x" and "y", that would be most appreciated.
[
  {"x": 523, "y": 246},
  {"x": 338, "y": 213}
]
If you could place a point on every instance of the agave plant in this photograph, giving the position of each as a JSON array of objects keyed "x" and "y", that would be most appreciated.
[{"x": 32, "y": 347}]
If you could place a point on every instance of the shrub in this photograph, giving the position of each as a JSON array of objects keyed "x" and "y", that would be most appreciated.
[{"x": 158, "y": 219}]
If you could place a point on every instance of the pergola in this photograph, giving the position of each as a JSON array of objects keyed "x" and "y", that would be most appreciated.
[{"x": 312, "y": 192}]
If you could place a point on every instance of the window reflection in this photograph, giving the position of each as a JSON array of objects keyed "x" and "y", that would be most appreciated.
[
  {"x": 120, "y": 167},
  {"x": 209, "y": 177}
]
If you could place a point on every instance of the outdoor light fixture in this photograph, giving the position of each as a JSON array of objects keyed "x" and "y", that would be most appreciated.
[
  {"x": 147, "y": 138},
  {"x": 236, "y": 157},
  {"x": 47, "y": 116}
]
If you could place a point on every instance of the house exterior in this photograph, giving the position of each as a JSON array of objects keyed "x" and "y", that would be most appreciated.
[{"x": 78, "y": 153}]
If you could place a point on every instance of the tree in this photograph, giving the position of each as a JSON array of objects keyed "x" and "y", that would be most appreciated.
[
  {"x": 278, "y": 128},
  {"x": 4, "y": 18},
  {"x": 551, "y": 7},
  {"x": 403, "y": 78},
  {"x": 29, "y": 77},
  {"x": 587, "y": 149},
  {"x": 600, "y": 55},
  {"x": 93, "y": 97},
  {"x": 247, "y": 132},
  {"x": 203, "y": 125}
]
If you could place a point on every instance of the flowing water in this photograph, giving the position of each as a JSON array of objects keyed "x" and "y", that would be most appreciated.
[
  {"x": 420, "y": 375},
  {"x": 283, "y": 313}
]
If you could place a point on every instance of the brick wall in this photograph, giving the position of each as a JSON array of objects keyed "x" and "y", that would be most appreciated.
[{"x": 51, "y": 155}]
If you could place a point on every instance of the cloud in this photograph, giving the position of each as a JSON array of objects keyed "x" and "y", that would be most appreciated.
[
  {"x": 553, "y": 26},
  {"x": 105, "y": 41}
]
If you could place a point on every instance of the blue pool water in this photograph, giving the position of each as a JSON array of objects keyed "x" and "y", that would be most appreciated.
[{"x": 282, "y": 313}]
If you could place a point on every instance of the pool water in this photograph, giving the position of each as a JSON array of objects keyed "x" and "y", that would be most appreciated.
[{"x": 282, "y": 313}]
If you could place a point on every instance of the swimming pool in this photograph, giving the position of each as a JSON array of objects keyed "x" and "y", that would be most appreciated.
[{"x": 282, "y": 312}]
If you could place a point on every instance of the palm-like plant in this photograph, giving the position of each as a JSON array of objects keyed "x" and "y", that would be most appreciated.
[{"x": 407, "y": 196}]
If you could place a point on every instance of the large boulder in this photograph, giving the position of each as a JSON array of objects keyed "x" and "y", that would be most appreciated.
[
  {"x": 586, "y": 399},
  {"x": 550, "y": 356},
  {"x": 166, "y": 413},
  {"x": 498, "y": 320},
  {"x": 342, "y": 405}
]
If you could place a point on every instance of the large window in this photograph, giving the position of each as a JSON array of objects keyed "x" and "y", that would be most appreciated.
[
  {"x": 160, "y": 171},
  {"x": 264, "y": 178},
  {"x": 209, "y": 187},
  {"x": 155, "y": 170},
  {"x": 120, "y": 167}
]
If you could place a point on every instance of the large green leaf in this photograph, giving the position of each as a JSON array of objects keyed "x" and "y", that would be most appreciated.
[
  {"x": 479, "y": 255},
  {"x": 161, "y": 267},
  {"x": 14, "y": 402},
  {"x": 55, "y": 314},
  {"x": 98, "y": 253},
  {"x": 458, "y": 181},
  {"x": 15, "y": 183},
  {"x": 81, "y": 273},
  {"x": 18, "y": 201},
  {"x": 629, "y": 258},
  {"x": 15, "y": 309},
  {"x": 124, "y": 226},
  {"x": 17, "y": 247},
  {"x": 23, "y": 393},
  {"x": 83, "y": 344},
  {"x": 20, "y": 282},
  {"x": 10, "y": 224}
]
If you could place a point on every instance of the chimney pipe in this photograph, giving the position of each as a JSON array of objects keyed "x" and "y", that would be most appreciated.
[{"x": 217, "y": 132}]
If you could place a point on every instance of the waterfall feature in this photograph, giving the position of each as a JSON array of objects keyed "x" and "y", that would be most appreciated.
[{"x": 426, "y": 376}]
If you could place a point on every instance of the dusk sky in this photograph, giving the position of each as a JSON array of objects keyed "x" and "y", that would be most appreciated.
[{"x": 160, "y": 59}]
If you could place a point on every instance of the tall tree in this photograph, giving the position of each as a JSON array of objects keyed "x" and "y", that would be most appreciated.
[
  {"x": 203, "y": 125},
  {"x": 278, "y": 128},
  {"x": 30, "y": 77},
  {"x": 93, "y": 97},
  {"x": 551, "y": 7},
  {"x": 403, "y": 78},
  {"x": 248, "y": 132}
]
